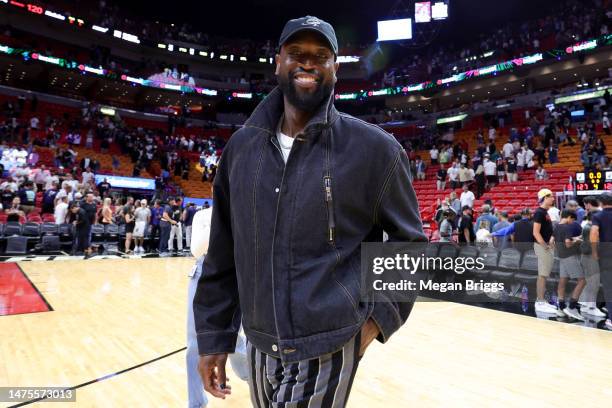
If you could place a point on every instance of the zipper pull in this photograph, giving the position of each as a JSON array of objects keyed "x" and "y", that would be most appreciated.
[{"x": 331, "y": 222}]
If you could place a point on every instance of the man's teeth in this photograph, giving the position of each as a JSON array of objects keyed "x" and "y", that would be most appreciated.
[{"x": 304, "y": 79}]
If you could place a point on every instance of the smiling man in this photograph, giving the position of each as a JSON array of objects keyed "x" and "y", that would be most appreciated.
[{"x": 292, "y": 207}]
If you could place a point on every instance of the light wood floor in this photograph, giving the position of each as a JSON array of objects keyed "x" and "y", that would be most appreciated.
[{"x": 110, "y": 315}]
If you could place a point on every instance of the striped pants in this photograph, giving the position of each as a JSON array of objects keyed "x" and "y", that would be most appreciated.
[{"x": 323, "y": 382}]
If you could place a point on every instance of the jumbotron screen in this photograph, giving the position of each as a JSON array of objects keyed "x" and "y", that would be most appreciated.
[{"x": 392, "y": 30}]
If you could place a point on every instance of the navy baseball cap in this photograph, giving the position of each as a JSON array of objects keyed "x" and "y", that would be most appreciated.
[{"x": 313, "y": 24}]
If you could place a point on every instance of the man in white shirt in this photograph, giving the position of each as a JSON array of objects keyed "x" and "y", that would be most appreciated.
[
  {"x": 433, "y": 153},
  {"x": 61, "y": 210},
  {"x": 490, "y": 170},
  {"x": 467, "y": 197},
  {"x": 199, "y": 247},
  {"x": 508, "y": 149},
  {"x": 453, "y": 176},
  {"x": 34, "y": 122},
  {"x": 88, "y": 176}
]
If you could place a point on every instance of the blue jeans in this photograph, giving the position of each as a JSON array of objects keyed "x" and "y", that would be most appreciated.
[{"x": 238, "y": 360}]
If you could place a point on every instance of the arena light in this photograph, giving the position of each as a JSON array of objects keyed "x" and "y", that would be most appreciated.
[
  {"x": 422, "y": 12},
  {"x": 99, "y": 29},
  {"x": 379, "y": 92},
  {"x": 243, "y": 95},
  {"x": 139, "y": 81},
  {"x": 346, "y": 97},
  {"x": 205, "y": 91},
  {"x": 73, "y": 20},
  {"x": 203, "y": 53},
  {"x": 6, "y": 49},
  {"x": 97, "y": 71},
  {"x": 191, "y": 51},
  {"x": 107, "y": 111},
  {"x": 583, "y": 46},
  {"x": 126, "y": 36},
  {"x": 243, "y": 58},
  {"x": 50, "y": 60},
  {"x": 439, "y": 11},
  {"x": 17, "y": 4},
  {"x": 172, "y": 87},
  {"x": 223, "y": 57},
  {"x": 57, "y": 16},
  {"x": 450, "y": 119},
  {"x": 160, "y": 45},
  {"x": 182, "y": 49},
  {"x": 579, "y": 97},
  {"x": 344, "y": 59},
  {"x": 262, "y": 60},
  {"x": 170, "y": 47},
  {"x": 4, "y": 1}
]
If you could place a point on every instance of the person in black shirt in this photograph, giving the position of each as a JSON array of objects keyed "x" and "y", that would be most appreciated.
[
  {"x": 104, "y": 187},
  {"x": 441, "y": 178},
  {"x": 543, "y": 247},
  {"x": 82, "y": 225},
  {"x": 601, "y": 248},
  {"x": 523, "y": 232},
  {"x": 7, "y": 197},
  {"x": 567, "y": 244},
  {"x": 466, "y": 226}
]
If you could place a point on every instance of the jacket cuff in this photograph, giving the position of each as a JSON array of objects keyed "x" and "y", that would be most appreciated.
[
  {"x": 387, "y": 319},
  {"x": 216, "y": 342}
]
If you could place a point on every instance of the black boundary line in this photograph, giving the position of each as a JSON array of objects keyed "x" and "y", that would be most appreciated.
[
  {"x": 106, "y": 377},
  {"x": 35, "y": 288}
]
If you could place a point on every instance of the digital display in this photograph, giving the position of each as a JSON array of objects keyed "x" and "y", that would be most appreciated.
[
  {"x": 391, "y": 30},
  {"x": 126, "y": 182},
  {"x": 439, "y": 11},
  {"x": 422, "y": 12},
  {"x": 593, "y": 181}
]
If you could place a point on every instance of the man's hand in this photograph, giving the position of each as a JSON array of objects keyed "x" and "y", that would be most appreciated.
[
  {"x": 369, "y": 332},
  {"x": 212, "y": 371}
]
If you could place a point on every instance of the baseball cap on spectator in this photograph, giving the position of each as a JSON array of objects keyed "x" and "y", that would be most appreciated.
[
  {"x": 312, "y": 24},
  {"x": 543, "y": 193}
]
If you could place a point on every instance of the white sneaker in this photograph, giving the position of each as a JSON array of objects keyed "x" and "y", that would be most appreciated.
[
  {"x": 560, "y": 312},
  {"x": 608, "y": 324},
  {"x": 573, "y": 313},
  {"x": 544, "y": 307},
  {"x": 593, "y": 311}
]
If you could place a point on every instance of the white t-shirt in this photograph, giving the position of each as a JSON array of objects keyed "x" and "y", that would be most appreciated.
[
  {"x": 554, "y": 214},
  {"x": 433, "y": 153},
  {"x": 490, "y": 168},
  {"x": 87, "y": 176},
  {"x": 453, "y": 173},
  {"x": 467, "y": 198},
  {"x": 285, "y": 142},
  {"x": 508, "y": 149},
  {"x": 200, "y": 232},
  {"x": 61, "y": 209},
  {"x": 34, "y": 122}
]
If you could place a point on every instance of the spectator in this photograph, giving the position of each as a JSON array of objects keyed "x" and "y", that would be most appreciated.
[
  {"x": 142, "y": 217},
  {"x": 90, "y": 208},
  {"x": 177, "y": 229},
  {"x": 486, "y": 216},
  {"x": 601, "y": 239},
  {"x": 446, "y": 227},
  {"x": 106, "y": 213},
  {"x": 588, "y": 298},
  {"x": 540, "y": 173},
  {"x": 156, "y": 214},
  {"x": 490, "y": 170},
  {"x": 483, "y": 235},
  {"x": 165, "y": 224},
  {"x": 568, "y": 251},
  {"x": 104, "y": 187},
  {"x": 187, "y": 218},
  {"x": 441, "y": 178},
  {"x": 572, "y": 205},
  {"x": 453, "y": 176},
  {"x": 419, "y": 166},
  {"x": 82, "y": 229},
  {"x": 87, "y": 176},
  {"x": 455, "y": 203},
  {"x": 543, "y": 247},
  {"x": 466, "y": 226},
  {"x": 61, "y": 210},
  {"x": 502, "y": 222},
  {"x": 605, "y": 121},
  {"x": 130, "y": 221},
  {"x": 467, "y": 197},
  {"x": 14, "y": 212},
  {"x": 433, "y": 154}
]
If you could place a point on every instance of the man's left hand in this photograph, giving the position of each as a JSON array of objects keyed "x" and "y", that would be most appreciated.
[{"x": 369, "y": 332}]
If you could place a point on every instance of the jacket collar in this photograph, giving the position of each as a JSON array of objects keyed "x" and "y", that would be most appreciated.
[{"x": 269, "y": 111}]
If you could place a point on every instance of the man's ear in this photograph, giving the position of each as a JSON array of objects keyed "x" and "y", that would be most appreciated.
[
  {"x": 277, "y": 61},
  {"x": 336, "y": 66}
]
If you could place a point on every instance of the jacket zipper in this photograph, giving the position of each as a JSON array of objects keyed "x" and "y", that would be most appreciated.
[{"x": 329, "y": 203}]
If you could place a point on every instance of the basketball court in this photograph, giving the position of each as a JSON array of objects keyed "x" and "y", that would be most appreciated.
[{"x": 115, "y": 330}]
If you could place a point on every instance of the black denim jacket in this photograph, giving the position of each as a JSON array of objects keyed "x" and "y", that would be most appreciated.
[{"x": 284, "y": 253}]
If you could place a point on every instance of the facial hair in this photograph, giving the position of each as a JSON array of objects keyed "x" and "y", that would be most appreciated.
[{"x": 305, "y": 101}]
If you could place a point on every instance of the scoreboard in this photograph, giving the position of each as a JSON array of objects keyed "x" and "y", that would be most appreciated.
[{"x": 593, "y": 182}]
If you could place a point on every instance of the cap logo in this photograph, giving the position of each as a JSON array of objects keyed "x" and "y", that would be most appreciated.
[{"x": 312, "y": 21}]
